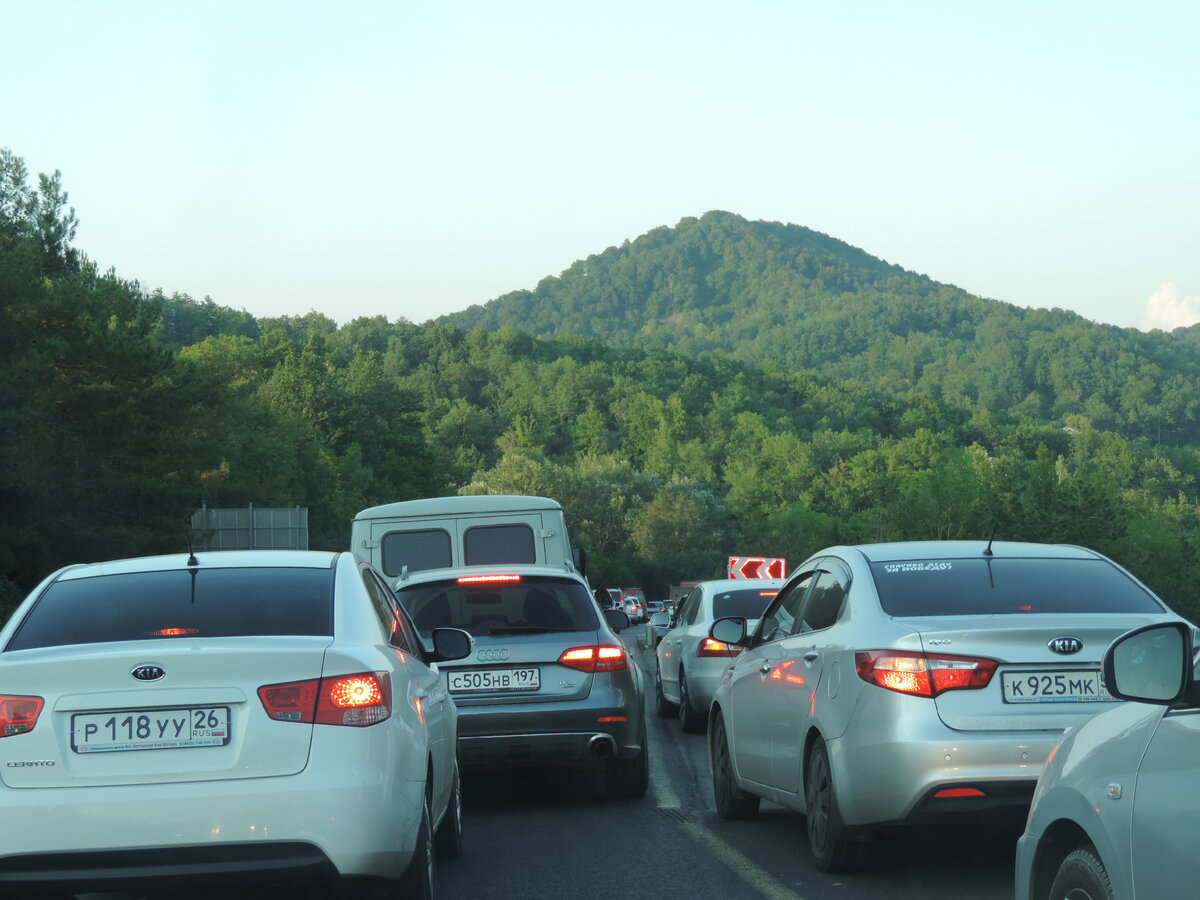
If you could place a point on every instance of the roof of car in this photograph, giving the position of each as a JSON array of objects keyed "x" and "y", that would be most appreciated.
[
  {"x": 458, "y": 505},
  {"x": 426, "y": 575},
  {"x": 733, "y": 584},
  {"x": 902, "y": 550},
  {"x": 205, "y": 559}
]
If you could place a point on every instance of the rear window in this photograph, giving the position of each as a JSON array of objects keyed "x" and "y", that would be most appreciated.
[
  {"x": 748, "y": 604},
  {"x": 527, "y": 605},
  {"x": 140, "y": 606},
  {"x": 419, "y": 550},
  {"x": 495, "y": 545},
  {"x": 981, "y": 587}
]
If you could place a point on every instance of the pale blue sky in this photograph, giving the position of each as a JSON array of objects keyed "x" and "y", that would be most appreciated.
[{"x": 410, "y": 159}]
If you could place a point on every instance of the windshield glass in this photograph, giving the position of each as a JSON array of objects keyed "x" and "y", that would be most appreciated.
[
  {"x": 983, "y": 587},
  {"x": 519, "y": 605},
  {"x": 749, "y": 604},
  {"x": 139, "y": 606}
]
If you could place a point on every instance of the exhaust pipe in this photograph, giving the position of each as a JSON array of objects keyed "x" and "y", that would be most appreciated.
[{"x": 600, "y": 745}]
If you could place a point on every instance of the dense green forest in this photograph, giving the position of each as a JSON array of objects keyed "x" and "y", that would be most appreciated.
[{"x": 722, "y": 387}]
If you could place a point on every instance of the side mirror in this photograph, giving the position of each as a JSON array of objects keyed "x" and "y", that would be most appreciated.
[
  {"x": 617, "y": 619},
  {"x": 1151, "y": 664},
  {"x": 451, "y": 643},
  {"x": 730, "y": 630},
  {"x": 661, "y": 620},
  {"x": 579, "y": 558}
]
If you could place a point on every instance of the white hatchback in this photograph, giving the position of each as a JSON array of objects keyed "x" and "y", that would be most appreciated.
[
  {"x": 255, "y": 718},
  {"x": 1117, "y": 809}
]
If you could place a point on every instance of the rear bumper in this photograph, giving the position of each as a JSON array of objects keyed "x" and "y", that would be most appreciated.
[{"x": 547, "y": 733}]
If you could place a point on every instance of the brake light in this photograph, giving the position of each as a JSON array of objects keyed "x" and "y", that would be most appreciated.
[
  {"x": 923, "y": 674},
  {"x": 489, "y": 579},
  {"x": 355, "y": 700},
  {"x": 711, "y": 647},
  {"x": 18, "y": 715},
  {"x": 602, "y": 658}
]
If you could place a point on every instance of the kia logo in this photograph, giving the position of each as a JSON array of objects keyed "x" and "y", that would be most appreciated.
[
  {"x": 1065, "y": 645},
  {"x": 492, "y": 655},
  {"x": 148, "y": 673}
]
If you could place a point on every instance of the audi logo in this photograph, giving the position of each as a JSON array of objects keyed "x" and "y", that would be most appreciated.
[
  {"x": 491, "y": 655},
  {"x": 148, "y": 673},
  {"x": 1065, "y": 645}
]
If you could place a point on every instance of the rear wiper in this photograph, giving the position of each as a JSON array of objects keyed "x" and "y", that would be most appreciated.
[{"x": 518, "y": 629}]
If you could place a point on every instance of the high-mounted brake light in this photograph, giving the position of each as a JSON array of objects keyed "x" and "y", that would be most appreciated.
[
  {"x": 355, "y": 700},
  {"x": 711, "y": 647},
  {"x": 18, "y": 715},
  {"x": 489, "y": 579},
  {"x": 923, "y": 674},
  {"x": 602, "y": 658}
]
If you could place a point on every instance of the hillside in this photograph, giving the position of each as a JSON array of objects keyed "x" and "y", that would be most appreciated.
[{"x": 766, "y": 291}]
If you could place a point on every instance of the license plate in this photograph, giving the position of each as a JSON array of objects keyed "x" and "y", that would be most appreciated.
[
  {"x": 469, "y": 680},
  {"x": 1058, "y": 686},
  {"x": 150, "y": 729}
]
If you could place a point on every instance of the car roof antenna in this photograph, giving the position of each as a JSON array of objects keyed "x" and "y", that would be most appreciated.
[
  {"x": 987, "y": 551},
  {"x": 191, "y": 560}
]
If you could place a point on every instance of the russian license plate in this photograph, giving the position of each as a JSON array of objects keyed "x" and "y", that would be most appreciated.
[
  {"x": 150, "y": 729},
  {"x": 1057, "y": 686},
  {"x": 468, "y": 680}
]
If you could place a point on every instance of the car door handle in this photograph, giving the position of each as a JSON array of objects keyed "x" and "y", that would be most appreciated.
[
  {"x": 766, "y": 668},
  {"x": 811, "y": 656},
  {"x": 420, "y": 693}
]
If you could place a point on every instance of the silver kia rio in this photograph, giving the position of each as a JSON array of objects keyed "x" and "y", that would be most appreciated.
[{"x": 915, "y": 682}]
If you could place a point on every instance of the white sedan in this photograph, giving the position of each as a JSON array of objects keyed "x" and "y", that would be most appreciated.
[
  {"x": 1117, "y": 807},
  {"x": 250, "y": 718}
]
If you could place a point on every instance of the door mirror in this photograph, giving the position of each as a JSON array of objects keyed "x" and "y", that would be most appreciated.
[
  {"x": 451, "y": 643},
  {"x": 729, "y": 631},
  {"x": 617, "y": 619},
  {"x": 1151, "y": 664}
]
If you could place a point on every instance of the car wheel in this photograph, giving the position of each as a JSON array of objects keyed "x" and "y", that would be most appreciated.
[
  {"x": 627, "y": 779},
  {"x": 831, "y": 850},
  {"x": 689, "y": 720},
  {"x": 662, "y": 705},
  {"x": 1082, "y": 877},
  {"x": 417, "y": 880},
  {"x": 732, "y": 801},
  {"x": 448, "y": 841}
]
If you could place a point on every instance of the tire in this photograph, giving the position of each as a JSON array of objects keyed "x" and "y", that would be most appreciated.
[
  {"x": 662, "y": 705},
  {"x": 689, "y": 720},
  {"x": 417, "y": 880},
  {"x": 1082, "y": 876},
  {"x": 732, "y": 801},
  {"x": 831, "y": 850},
  {"x": 448, "y": 841},
  {"x": 628, "y": 779}
]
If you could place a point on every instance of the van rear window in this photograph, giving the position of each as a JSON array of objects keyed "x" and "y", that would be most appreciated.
[
  {"x": 137, "y": 606},
  {"x": 528, "y": 605},
  {"x": 419, "y": 550},
  {"x": 982, "y": 587},
  {"x": 496, "y": 545}
]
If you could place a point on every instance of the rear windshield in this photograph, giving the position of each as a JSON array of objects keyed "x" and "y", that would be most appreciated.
[
  {"x": 528, "y": 605},
  {"x": 140, "y": 606},
  {"x": 979, "y": 587},
  {"x": 748, "y": 604}
]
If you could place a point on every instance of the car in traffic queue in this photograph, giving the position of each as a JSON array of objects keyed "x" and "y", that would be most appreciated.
[
  {"x": 549, "y": 681},
  {"x": 635, "y": 601},
  {"x": 1117, "y": 807},
  {"x": 891, "y": 684},
  {"x": 257, "y": 719},
  {"x": 689, "y": 663}
]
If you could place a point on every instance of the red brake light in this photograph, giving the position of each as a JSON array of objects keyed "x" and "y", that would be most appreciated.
[
  {"x": 923, "y": 674},
  {"x": 710, "y": 647},
  {"x": 602, "y": 658},
  {"x": 18, "y": 715},
  {"x": 356, "y": 700},
  {"x": 489, "y": 579}
]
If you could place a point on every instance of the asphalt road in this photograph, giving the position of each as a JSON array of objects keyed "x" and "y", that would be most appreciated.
[{"x": 553, "y": 834}]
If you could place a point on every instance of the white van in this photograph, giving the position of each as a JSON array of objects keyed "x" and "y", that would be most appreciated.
[{"x": 412, "y": 536}]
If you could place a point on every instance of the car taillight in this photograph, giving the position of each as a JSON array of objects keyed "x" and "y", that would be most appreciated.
[
  {"x": 602, "y": 658},
  {"x": 710, "y": 647},
  {"x": 356, "y": 700},
  {"x": 488, "y": 579},
  {"x": 18, "y": 715},
  {"x": 923, "y": 674}
]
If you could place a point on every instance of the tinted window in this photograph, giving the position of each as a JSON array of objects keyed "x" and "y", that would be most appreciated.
[
  {"x": 979, "y": 587},
  {"x": 150, "y": 605},
  {"x": 418, "y": 550},
  {"x": 824, "y": 603},
  {"x": 780, "y": 618},
  {"x": 491, "y": 545},
  {"x": 532, "y": 605},
  {"x": 749, "y": 604}
]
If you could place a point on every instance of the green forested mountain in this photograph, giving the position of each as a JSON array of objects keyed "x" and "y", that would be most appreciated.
[
  {"x": 764, "y": 291},
  {"x": 888, "y": 407}
]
